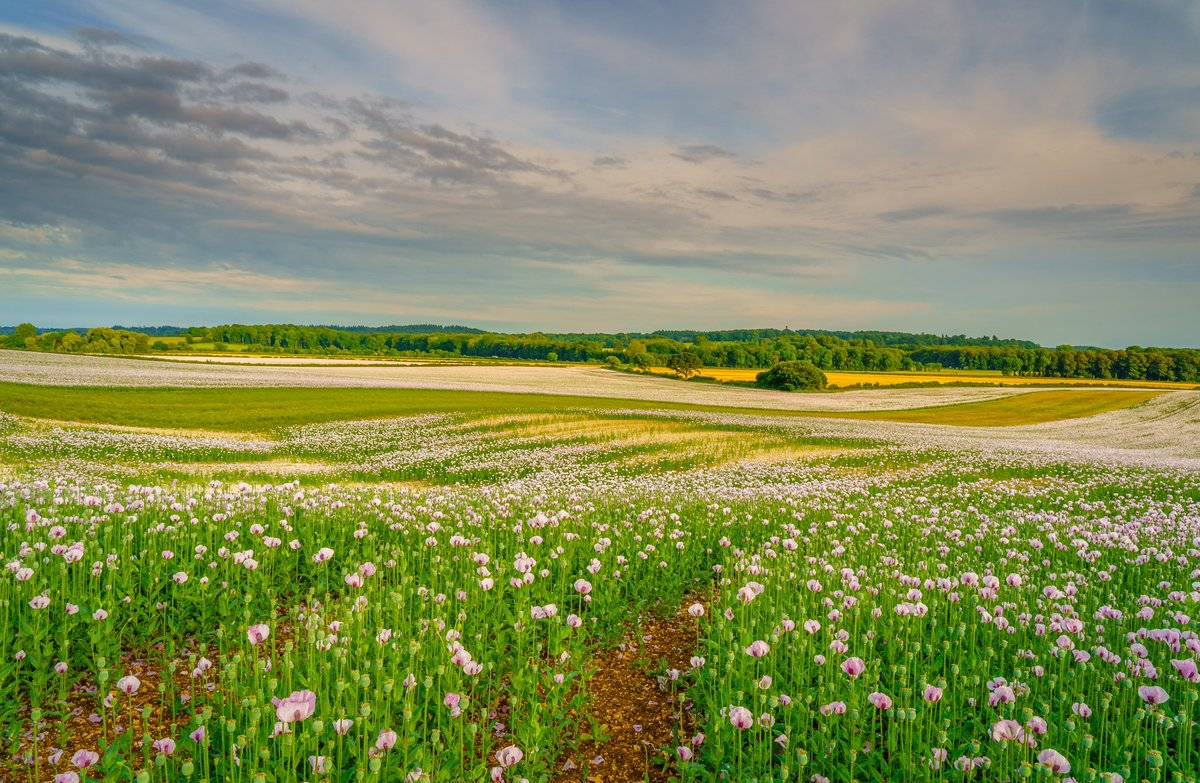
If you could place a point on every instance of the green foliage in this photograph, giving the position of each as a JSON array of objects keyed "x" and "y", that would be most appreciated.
[
  {"x": 685, "y": 364},
  {"x": 100, "y": 340},
  {"x": 745, "y": 348},
  {"x": 792, "y": 376},
  {"x": 20, "y": 335}
]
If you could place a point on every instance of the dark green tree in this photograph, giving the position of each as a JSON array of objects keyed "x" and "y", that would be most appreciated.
[
  {"x": 685, "y": 364},
  {"x": 792, "y": 376}
]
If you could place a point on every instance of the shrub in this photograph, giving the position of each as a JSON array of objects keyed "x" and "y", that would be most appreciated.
[{"x": 792, "y": 376}]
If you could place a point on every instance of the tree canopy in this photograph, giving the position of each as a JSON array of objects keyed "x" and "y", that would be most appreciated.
[{"x": 793, "y": 376}]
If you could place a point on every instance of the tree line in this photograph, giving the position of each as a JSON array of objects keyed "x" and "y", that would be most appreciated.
[{"x": 745, "y": 348}]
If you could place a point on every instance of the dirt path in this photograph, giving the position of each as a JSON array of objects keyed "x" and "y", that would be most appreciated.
[{"x": 636, "y": 707}]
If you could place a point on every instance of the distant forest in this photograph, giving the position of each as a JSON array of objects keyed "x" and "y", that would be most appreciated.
[{"x": 829, "y": 350}]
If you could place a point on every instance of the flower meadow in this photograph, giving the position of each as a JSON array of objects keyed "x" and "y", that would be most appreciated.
[{"x": 867, "y": 612}]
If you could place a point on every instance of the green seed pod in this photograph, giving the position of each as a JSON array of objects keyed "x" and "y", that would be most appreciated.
[{"x": 187, "y": 769}]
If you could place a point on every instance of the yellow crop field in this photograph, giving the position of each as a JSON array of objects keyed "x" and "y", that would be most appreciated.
[{"x": 849, "y": 379}]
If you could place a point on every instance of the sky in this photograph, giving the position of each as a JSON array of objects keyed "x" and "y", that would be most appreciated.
[{"x": 1026, "y": 169}]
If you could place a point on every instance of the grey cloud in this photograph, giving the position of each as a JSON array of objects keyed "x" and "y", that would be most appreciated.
[
  {"x": 433, "y": 151},
  {"x": 250, "y": 92},
  {"x": 716, "y": 195},
  {"x": 912, "y": 213},
  {"x": 156, "y": 89},
  {"x": 701, "y": 153},
  {"x": 97, "y": 37},
  {"x": 788, "y": 197},
  {"x": 1067, "y": 215},
  {"x": 610, "y": 162},
  {"x": 253, "y": 71}
]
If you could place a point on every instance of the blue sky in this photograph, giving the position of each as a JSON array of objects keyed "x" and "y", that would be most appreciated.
[{"x": 1021, "y": 168}]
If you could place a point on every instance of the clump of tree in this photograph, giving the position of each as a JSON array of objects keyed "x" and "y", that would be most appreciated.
[
  {"x": 22, "y": 336},
  {"x": 685, "y": 364},
  {"x": 792, "y": 376},
  {"x": 93, "y": 341}
]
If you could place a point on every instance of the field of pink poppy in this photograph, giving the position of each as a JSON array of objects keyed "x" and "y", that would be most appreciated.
[{"x": 438, "y": 597}]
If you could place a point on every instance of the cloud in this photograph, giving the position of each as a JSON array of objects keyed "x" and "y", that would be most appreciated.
[
  {"x": 702, "y": 153},
  {"x": 508, "y": 159},
  {"x": 609, "y": 161}
]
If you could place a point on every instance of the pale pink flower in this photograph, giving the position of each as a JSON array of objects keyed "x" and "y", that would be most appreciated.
[
  {"x": 257, "y": 634},
  {"x": 741, "y": 718},
  {"x": 1056, "y": 761},
  {"x": 853, "y": 667},
  {"x": 129, "y": 685},
  {"x": 758, "y": 649},
  {"x": 85, "y": 758},
  {"x": 298, "y": 706},
  {"x": 1186, "y": 669},
  {"x": 1153, "y": 695},
  {"x": 509, "y": 756},
  {"x": 387, "y": 740},
  {"x": 1007, "y": 731}
]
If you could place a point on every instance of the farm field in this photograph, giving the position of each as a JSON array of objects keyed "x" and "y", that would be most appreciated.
[
  {"x": 844, "y": 379},
  {"x": 247, "y": 583}
]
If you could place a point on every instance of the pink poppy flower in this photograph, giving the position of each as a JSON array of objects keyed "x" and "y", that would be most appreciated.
[
  {"x": 853, "y": 667},
  {"x": 85, "y": 758},
  {"x": 741, "y": 718},
  {"x": 1056, "y": 761},
  {"x": 1007, "y": 731},
  {"x": 298, "y": 706},
  {"x": 758, "y": 649},
  {"x": 1153, "y": 695},
  {"x": 387, "y": 740},
  {"x": 509, "y": 756},
  {"x": 1186, "y": 669},
  {"x": 257, "y": 634},
  {"x": 129, "y": 685}
]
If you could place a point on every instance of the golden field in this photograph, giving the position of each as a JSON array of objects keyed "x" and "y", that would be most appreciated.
[{"x": 846, "y": 379}]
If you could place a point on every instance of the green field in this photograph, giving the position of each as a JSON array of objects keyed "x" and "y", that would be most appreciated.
[
  {"x": 267, "y": 584},
  {"x": 264, "y": 410}
]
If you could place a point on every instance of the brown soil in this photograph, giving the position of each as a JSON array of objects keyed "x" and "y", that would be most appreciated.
[{"x": 636, "y": 707}]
